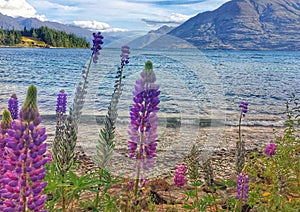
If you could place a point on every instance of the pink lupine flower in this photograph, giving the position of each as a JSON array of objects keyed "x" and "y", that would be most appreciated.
[
  {"x": 270, "y": 150},
  {"x": 179, "y": 178}
]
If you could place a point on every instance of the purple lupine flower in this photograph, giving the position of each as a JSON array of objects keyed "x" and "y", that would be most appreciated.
[
  {"x": 97, "y": 42},
  {"x": 61, "y": 102},
  {"x": 270, "y": 150},
  {"x": 4, "y": 126},
  {"x": 26, "y": 159},
  {"x": 179, "y": 178},
  {"x": 242, "y": 187},
  {"x": 143, "y": 125},
  {"x": 125, "y": 55},
  {"x": 13, "y": 106},
  {"x": 244, "y": 106}
]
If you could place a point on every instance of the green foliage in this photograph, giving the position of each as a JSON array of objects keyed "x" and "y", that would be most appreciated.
[
  {"x": 10, "y": 37},
  {"x": 64, "y": 191},
  {"x": 205, "y": 203},
  {"x": 276, "y": 180}
]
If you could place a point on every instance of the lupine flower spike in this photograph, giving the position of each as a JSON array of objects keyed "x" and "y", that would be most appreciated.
[
  {"x": 270, "y": 150},
  {"x": 97, "y": 42},
  {"x": 244, "y": 106},
  {"x": 143, "y": 124},
  {"x": 193, "y": 164},
  {"x": 242, "y": 187},
  {"x": 65, "y": 136},
  {"x": 13, "y": 106},
  {"x": 179, "y": 178},
  {"x": 106, "y": 136},
  {"x": 240, "y": 144},
  {"x": 80, "y": 93},
  {"x": 5, "y": 125},
  {"x": 5, "y": 122},
  {"x": 61, "y": 105},
  {"x": 125, "y": 55},
  {"x": 26, "y": 159}
]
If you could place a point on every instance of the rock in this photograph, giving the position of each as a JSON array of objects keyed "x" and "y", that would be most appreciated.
[{"x": 159, "y": 185}]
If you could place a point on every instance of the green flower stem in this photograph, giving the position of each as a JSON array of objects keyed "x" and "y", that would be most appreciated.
[
  {"x": 240, "y": 160},
  {"x": 137, "y": 181}
]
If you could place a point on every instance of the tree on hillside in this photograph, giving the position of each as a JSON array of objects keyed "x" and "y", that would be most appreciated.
[{"x": 51, "y": 37}]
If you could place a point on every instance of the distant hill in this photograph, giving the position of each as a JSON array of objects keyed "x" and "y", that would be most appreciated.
[
  {"x": 245, "y": 24},
  {"x": 151, "y": 36},
  {"x": 7, "y": 22}
]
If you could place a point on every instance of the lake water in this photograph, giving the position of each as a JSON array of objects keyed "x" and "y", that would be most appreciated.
[{"x": 193, "y": 83}]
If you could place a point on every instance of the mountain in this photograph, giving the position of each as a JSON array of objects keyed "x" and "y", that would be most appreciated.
[
  {"x": 19, "y": 23},
  {"x": 150, "y": 37},
  {"x": 245, "y": 24}
]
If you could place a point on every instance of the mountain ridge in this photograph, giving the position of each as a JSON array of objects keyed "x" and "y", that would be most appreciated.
[
  {"x": 19, "y": 23},
  {"x": 245, "y": 25}
]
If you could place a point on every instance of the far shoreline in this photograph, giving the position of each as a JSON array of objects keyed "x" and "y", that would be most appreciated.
[{"x": 39, "y": 47}]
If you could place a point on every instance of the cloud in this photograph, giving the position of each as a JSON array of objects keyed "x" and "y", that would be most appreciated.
[
  {"x": 167, "y": 2},
  {"x": 54, "y": 6},
  {"x": 173, "y": 19},
  {"x": 97, "y": 26},
  {"x": 17, "y": 8}
]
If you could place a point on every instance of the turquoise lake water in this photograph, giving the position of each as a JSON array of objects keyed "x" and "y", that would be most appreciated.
[{"x": 193, "y": 83}]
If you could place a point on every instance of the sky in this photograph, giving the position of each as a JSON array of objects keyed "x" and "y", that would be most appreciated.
[{"x": 110, "y": 15}]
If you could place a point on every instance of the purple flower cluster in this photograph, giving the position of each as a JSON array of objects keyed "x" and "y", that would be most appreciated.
[
  {"x": 24, "y": 162},
  {"x": 270, "y": 150},
  {"x": 244, "y": 106},
  {"x": 242, "y": 187},
  {"x": 125, "y": 55},
  {"x": 61, "y": 102},
  {"x": 13, "y": 106},
  {"x": 143, "y": 125},
  {"x": 4, "y": 126},
  {"x": 179, "y": 178},
  {"x": 97, "y": 42}
]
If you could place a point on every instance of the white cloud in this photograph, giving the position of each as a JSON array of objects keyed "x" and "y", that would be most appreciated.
[
  {"x": 179, "y": 18},
  {"x": 207, "y": 5},
  {"x": 51, "y": 6},
  {"x": 16, "y": 8},
  {"x": 173, "y": 19},
  {"x": 97, "y": 26}
]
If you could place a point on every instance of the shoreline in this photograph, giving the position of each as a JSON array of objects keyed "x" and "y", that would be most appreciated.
[
  {"x": 174, "y": 142},
  {"x": 39, "y": 47}
]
